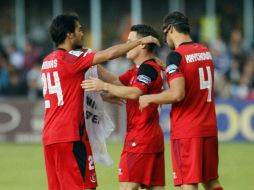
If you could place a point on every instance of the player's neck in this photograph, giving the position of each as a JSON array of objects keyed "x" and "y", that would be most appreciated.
[
  {"x": 65, "y": 46},
  {"x": 143, "y": 58},
  {"x": 181, "y": 38}
]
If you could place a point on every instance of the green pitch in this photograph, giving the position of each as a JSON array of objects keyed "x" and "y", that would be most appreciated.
[{"x": 22, "y": 167}]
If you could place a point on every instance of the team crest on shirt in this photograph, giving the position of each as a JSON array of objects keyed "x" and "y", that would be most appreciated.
[
  {"x": 145, "y": 79},
  {"x": 93, "y": 178},
  {"x": 171, "y": 68}
]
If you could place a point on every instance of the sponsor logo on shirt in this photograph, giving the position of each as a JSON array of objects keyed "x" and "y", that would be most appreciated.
[
  {"x": 171, "y": 68},
  {"x": 75, "y": 52},
  {"x": 145, "y": 79},
  {"x": 190, "y": 58}
]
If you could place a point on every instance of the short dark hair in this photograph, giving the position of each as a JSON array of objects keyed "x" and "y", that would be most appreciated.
[
  {"x": 61, "y": 25},
  {"x": 178, "y": 20},
  {"x": 145, "y": 30}
]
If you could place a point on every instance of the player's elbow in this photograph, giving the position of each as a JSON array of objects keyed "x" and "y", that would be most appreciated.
[
  {"x": 134, "y": 95},
  {"x": 179, "y": 96}
]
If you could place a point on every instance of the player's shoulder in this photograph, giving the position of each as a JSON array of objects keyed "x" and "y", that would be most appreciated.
[
  {"x": 78, "y": 52},
  {"x": 148, "y": 70},
  {"x": 174, "y": 58},
  {"x": 74, "y": 55}
]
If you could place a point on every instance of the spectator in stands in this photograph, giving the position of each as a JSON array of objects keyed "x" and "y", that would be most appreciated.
[
  {"x": 33, "y": 78},
  {"x": 16, "y": 57},
  {"x": 31, "y": 56},
  {"x": 16, "y": 86}
]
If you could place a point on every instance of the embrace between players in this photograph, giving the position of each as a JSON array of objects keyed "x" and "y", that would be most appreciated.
[{"x": 189, "y": 72}]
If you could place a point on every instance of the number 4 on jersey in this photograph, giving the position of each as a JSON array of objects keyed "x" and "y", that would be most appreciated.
[
  {"x": 206, "y": 84},
  {"x": 52, "y": 89}
]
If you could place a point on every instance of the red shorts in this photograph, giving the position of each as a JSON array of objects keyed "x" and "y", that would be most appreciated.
[
  {"x": 70, "y": 166},
  {"x": 145, "y": 169},
  {"x": 194, "y": 160}
]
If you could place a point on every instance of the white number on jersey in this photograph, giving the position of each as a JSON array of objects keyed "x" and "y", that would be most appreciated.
[
  {"x": 91, "y": 163},
  {"x": 206, "y": 84},
  {"x": 52, "y": 89}
]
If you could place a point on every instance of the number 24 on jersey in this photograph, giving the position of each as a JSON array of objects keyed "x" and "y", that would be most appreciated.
[{"x": 52, "y": 89}]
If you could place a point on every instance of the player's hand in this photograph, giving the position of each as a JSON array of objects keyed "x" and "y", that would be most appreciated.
[
  {"x": 160, "y": 63},
  {"x": 113, "y": 99},
  {"x": 150, "y": 39},
  {"x": 92, "y": 84},
  {"x": 144, "y": 101}
]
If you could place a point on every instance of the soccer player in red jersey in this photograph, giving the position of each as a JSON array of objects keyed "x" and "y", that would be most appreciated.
[
  {"x": 190, "y": 76},
  {"x": 142, "y": 158},
  {"x": 67, "y": 152}
]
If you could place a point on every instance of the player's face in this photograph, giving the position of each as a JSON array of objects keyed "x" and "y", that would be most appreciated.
[
  {"x": 78, "y": 36},
  {"x": 133, "y": 54},
  {"x": 168, "y": 36}
]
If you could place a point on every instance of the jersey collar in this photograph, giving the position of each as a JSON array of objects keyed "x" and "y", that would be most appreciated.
[
  {"x": 185, "y": 43},
  {"x": 152, "y": 59},
  {"x": 62, "y": 49}
]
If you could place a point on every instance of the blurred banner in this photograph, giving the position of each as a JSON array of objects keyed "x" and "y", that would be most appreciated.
[
  {"x": 235, "y": 120},
  {"x": 21, "y": 121}
]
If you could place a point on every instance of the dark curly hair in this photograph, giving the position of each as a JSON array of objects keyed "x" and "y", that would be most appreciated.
[
  {"x": 178, "y": 20},
  {"x": 61, "y": 25},
  {"x": 145, "y": 30}
]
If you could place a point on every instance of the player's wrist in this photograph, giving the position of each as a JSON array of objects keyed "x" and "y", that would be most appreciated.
[
  {"x": 105, "y": 87},
  {"x": 139, "y": 42},
  {"x": 150, "y": 98}
]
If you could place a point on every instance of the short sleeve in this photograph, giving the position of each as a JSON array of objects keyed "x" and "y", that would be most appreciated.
[
  {"x": 173, "y": 66},
  {"x": 78, "y": 60},
  {"x": 145, "y": 76}
]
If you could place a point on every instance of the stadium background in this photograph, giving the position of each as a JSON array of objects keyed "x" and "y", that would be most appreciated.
[{"x": 225, "y": 26}]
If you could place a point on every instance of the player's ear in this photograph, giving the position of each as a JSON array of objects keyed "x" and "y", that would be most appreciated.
[
  {"x": 171, "y": 30},
  {"x": 143, "y": 46},
  {"x": 70, "y": 35}
]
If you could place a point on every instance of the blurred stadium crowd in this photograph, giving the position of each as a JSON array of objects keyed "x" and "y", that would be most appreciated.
[
  {"x": 234, "y": 66},
  {"x": 20, "y": 67}
]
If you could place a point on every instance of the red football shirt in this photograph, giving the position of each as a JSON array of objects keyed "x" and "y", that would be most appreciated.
[
  {"x": 144, "y": 134},
  {"x": 195, "y": 115},
  {"x": 62, "y": 74}
]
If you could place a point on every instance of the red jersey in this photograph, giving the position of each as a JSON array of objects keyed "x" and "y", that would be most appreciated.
[
  {"x": 62, "y": 74},
  {"x": 195, "y": 115},
  {"x": 144, "y": 134}
]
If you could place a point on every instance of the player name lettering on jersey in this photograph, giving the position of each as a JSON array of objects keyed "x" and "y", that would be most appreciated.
[
  {"x": 49, "y": 64},
  {"x": 190, "y": 58}
]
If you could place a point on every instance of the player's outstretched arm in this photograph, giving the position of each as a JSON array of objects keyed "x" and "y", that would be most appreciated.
[
  {"x": 118, "y": 50},
  {"x": 174, "y": 94},
  {"x": 108, "y": 76},
  {"x": 107, "y": 97},
  {"x": 95, "y": 84}
]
